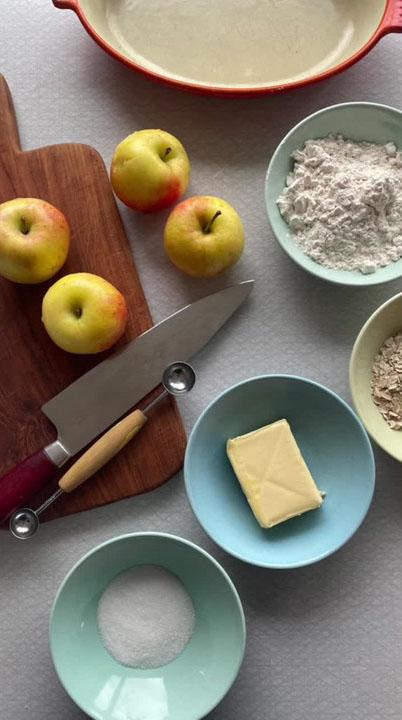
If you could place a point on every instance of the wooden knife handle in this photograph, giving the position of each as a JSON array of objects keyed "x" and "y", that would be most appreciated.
[
  {"x": 23, "y": 481},
  {"x": 102, "y": 451}
]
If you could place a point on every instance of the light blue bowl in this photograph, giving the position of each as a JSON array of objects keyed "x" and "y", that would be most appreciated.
[
  {"x": 336, "y": 449},
  {"x": 357, "y": 121},
  {"x": 187, "y": 688}
]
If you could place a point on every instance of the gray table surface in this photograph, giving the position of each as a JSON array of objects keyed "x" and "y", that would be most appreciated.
[{"x": 324, "y": 642}]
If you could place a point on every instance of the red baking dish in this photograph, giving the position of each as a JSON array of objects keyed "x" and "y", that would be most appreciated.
[{"x": 237, "y": 47}]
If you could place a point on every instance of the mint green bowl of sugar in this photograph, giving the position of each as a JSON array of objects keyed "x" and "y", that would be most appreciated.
[
  {"x": 358, "y": 122},
  {"x": 184, "y": 585}
]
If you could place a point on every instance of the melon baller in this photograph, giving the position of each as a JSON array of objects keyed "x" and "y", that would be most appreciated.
[{"x": 178, "y": 379}]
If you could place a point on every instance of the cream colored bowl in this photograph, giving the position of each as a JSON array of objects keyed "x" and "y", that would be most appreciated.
[
  {"x": 237, "y": 46},
  {"x": 383, "y": 323}
]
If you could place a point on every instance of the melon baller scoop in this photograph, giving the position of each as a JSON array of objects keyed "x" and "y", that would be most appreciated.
[{"x": 178, "y": 379}]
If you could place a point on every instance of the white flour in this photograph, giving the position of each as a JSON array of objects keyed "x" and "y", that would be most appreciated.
[{"x": 343, "y": 203}]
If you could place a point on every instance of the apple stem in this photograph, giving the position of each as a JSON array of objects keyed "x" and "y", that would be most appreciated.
[
  {"x": 24, "y": 226},
  {"x": 78, "y": 312},
  {"x": 167, "y": 152},
  {"x": 208, "y": 226}
]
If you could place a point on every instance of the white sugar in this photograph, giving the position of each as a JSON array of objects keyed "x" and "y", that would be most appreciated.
[{"x": 145, "y": 617}]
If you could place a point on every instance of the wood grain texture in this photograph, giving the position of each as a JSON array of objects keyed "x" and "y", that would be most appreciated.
[
  {"x": 73, "y": 178},
  {"x": 102, "y": 450}
]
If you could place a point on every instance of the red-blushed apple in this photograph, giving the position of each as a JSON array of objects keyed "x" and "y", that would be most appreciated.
[
  {"x": 84, "y": 313},
  {"x": 34, "y": 240},
  {"x": 150, "y": 170},
  {"x": 204, "y": 236}
]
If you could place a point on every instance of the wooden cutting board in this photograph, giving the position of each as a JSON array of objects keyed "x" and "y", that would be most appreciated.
[{"x": 73, "y": 178}]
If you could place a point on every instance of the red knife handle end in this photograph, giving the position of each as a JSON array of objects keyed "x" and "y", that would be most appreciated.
[{"x": 23, "y": 481}]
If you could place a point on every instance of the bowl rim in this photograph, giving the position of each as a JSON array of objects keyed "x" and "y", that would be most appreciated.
[
  {"x": 169, "y": 537},
  {"x": 350, "y": 411},
  {"x": 385, "y": 26},
  {"x": 318, "y": 270},
  {"x": 352, "y": 364}
]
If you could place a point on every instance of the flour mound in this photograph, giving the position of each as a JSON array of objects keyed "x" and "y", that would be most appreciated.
[{"x": 343, "y": 203}]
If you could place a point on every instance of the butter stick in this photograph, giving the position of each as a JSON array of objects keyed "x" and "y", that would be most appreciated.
[{"x": 273, "y": 474}]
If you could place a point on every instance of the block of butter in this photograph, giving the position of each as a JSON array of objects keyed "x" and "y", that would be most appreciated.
[{"x": 272, "y": 473}]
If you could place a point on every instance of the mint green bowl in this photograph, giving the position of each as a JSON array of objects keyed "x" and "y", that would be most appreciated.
[
  {"x": 357, "y": 121},
  {"x": 187, "y": 688}
]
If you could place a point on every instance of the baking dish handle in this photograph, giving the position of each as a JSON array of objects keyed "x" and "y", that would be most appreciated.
[
  {"x": 392, "y": 20},
  {"x": 66, "y": 4}
]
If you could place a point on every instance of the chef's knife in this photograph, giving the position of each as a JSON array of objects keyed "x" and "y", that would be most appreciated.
[{"x": 97, "y": 399}]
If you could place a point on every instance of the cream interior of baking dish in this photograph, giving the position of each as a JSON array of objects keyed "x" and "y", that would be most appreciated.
[{"x": 236, "y": 42}]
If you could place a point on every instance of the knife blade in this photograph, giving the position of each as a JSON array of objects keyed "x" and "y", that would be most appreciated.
[{"x": 98, "y": 398}]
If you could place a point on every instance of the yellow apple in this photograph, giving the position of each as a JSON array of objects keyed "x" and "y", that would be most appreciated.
[
  {"x": 204, "y": 236},
  {"x": 34, "y": 240},
  {"x": 84, "y": 313},
  {"x": 150, "y": 170}
]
